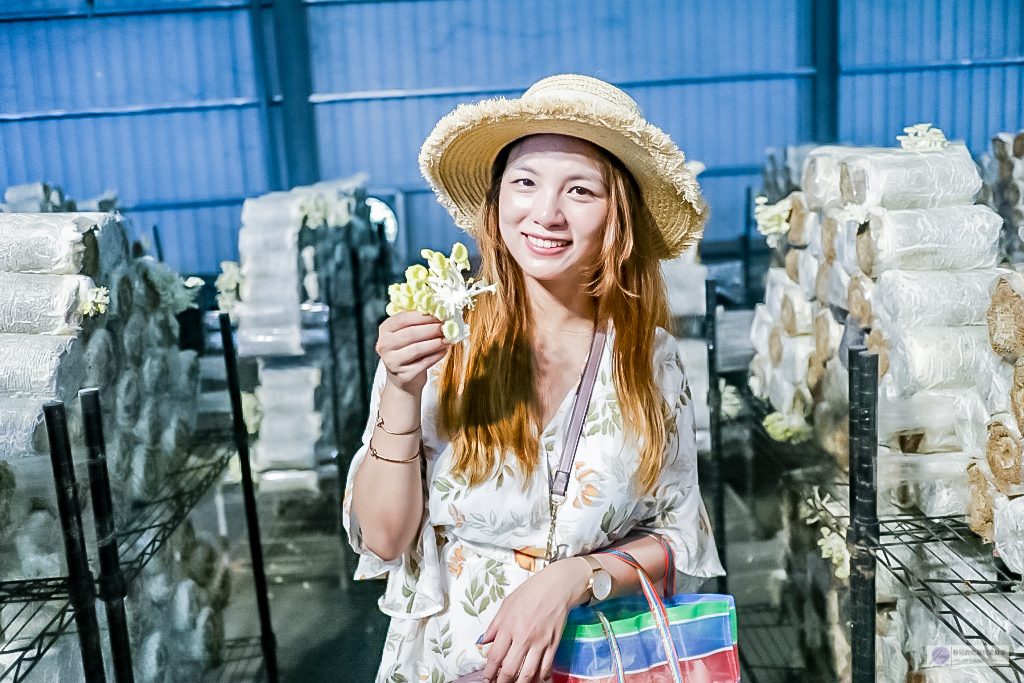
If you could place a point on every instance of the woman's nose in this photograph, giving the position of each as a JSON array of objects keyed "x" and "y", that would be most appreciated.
[{"x": 547, "y": 209}]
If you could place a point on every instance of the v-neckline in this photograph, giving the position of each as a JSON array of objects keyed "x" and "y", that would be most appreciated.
[{"x": 560, "y": 412}]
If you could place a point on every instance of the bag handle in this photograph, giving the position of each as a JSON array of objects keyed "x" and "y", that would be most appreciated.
[
  {"x": 657, "y": 610},
  {"x": 670, "y": 561},
  {"x": 560, "y": 482}
]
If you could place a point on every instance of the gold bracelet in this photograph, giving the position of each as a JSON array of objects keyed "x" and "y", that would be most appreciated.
[
  {"x": 380, "y": 423},
  {"x": 374, "y": 453}
]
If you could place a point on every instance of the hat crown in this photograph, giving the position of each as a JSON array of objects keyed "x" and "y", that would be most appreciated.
[{"x": 574, "y": 86}]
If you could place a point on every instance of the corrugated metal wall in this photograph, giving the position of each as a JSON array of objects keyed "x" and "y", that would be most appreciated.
[
  {"x": 723, "y": 88},
  {"x": 160, "y": 106},
  {"x": 958, "y": 65},
  {"x": 162, "y": 101}
]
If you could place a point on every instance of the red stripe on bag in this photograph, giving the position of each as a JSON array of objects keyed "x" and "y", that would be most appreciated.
[{"x": 719, "y": 667}]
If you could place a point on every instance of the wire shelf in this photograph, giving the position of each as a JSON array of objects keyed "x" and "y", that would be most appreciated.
[
  {"x": 34, "y": 613},
  {"x": 768, "y": 645},
  {"x": 243, "y": 661},
  {"x": 971, "y": 598},
  {"x": 29, "y": 630},
  {"x": 158, "y": 519},
  {"x": 783, "y": 454}
]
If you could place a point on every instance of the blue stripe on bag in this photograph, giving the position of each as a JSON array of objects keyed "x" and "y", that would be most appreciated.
[{"x": 641, "y": 650}]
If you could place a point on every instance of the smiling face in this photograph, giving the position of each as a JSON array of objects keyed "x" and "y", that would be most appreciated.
[{"x": 553, "y": 207}]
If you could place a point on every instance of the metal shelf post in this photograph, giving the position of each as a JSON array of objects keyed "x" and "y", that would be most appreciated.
[
  {"x": 81, "y": 586},
  {"x": 249, "y": 495},
  {"x": 112, "y": 583},
  {"x": 714, "y": 470},
  {"x": 864, "y": 526}
]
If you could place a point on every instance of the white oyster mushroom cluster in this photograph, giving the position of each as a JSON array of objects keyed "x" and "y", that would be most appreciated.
[
  {"x": 772, "y": 219},
  {"x": 922, "y": 137},
  {"x": 440, "y": 291}
]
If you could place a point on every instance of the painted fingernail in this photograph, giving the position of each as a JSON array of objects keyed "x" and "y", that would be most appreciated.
[{"x": 479, "y": 640}]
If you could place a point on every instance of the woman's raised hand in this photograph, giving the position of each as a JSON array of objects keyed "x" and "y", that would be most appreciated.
[
  {"x": 528, "y": 626},
  {"x": 409, "y": 343}
]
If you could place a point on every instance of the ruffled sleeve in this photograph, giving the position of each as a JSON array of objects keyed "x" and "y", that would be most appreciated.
[
  {"x": 674, "y": 509},
  {"x": 415, "y": 587}
]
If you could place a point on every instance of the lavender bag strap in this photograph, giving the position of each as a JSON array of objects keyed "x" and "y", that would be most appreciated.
[{"x": 560, "y": 482}]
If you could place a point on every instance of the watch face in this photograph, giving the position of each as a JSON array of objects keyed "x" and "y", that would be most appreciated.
[{"x": 602, "y": 584}]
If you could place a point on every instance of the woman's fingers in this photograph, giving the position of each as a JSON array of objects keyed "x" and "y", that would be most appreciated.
[
  {"x": 405, "y": 319},
  {"x": 427, "y": 362},
  {"x": 413, "y": 353},
  {"x": 544, "y": 674},
  {"x": 397, "y": 339},
  {"x": 528, "y": 669},
  {"x": 496, "y": 656},
  {"x": 510, "y": 665}
]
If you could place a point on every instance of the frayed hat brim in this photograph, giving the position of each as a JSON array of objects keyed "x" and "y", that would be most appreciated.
[{"x": 457, "y": 157}]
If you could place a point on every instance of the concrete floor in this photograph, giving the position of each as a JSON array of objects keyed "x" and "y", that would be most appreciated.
[{"x": 328, "y": 628}]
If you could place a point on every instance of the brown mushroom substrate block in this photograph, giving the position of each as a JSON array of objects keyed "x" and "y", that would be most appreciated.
[
  {"x": 867, "y": 253},
  {"x": 815, "y": 371},
  {"x": 797, "y": 316},
  {"x": 1003, "y": 450},
  {"x": 979, "y": 509},
  {"x": 832, "y": 431},
  {"x": 860, "y": 294},
  {"x": 1017, "y": 392},
  {"x": 1009, "y": 191},
  {"x": 807, "y": 265},
  {"x": 829, "y": 230},
  {"x": 821, "y": 283},
  {"x": 1008, "y": 146},
  {"x": 827, "y": 334},
  {"x": 792, "y": 264},
  {"x": 800, "y": 220},
  {"x": 1005, "y": 316},
  {"x": 775, "y": 345},
  {"x": 1006, "y": 169},
  {"x": 787, "y": 397},
  {"x": 877, "y": 343}
]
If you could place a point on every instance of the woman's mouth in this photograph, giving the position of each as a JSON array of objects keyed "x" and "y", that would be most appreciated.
[{"x": 546, "y": 247}]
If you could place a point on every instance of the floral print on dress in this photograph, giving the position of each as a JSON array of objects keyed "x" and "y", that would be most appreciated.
[{"x": 477, "y": 545}]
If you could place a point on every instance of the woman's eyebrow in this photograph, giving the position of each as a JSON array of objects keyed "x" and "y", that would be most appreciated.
[
  {"x": 583, "y": 176},
  {"x": 518, "y": 166}
]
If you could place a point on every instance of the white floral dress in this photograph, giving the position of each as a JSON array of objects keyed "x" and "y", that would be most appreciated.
[{"x": 478, "y": 544}]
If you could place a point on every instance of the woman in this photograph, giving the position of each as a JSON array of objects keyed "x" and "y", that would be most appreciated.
[{"x": 573, "y": 198}]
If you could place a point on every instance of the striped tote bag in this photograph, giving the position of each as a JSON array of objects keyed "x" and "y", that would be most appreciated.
[{"x": 685, "y": 638}]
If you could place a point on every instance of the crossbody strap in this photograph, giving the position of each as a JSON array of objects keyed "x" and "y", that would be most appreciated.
[{"x": 560, "y": 482}]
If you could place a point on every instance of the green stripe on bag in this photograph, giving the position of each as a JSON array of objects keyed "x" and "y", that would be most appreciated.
[{"x": 677, "y": 614}]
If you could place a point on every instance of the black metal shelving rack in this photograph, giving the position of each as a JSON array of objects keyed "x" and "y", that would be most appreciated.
[
  {"x": 876, "y": 544},
  {"x": 40, "y": 611},
  {"x": 766, "y": 638},
  {"x": 45, "y": 612}
]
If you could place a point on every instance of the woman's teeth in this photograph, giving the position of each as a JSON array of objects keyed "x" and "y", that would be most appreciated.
[{"x": 547, "y": 244}]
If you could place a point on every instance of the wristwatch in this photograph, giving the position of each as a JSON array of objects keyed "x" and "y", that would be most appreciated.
[{"x": 599, "y": 586}]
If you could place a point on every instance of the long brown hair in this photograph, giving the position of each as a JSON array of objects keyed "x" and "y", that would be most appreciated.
[{"x": 488, "y": 404}]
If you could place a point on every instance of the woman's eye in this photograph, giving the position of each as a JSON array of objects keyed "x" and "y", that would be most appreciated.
[
  {"x": 581, "y": 191},
  {"x": 524, "y": 182}
]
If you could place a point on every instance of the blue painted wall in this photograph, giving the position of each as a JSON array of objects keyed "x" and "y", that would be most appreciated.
[{"x": 160, "y": 99}]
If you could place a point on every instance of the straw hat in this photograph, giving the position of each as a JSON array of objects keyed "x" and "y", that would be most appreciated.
[{"x": 457, "y": 156}]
